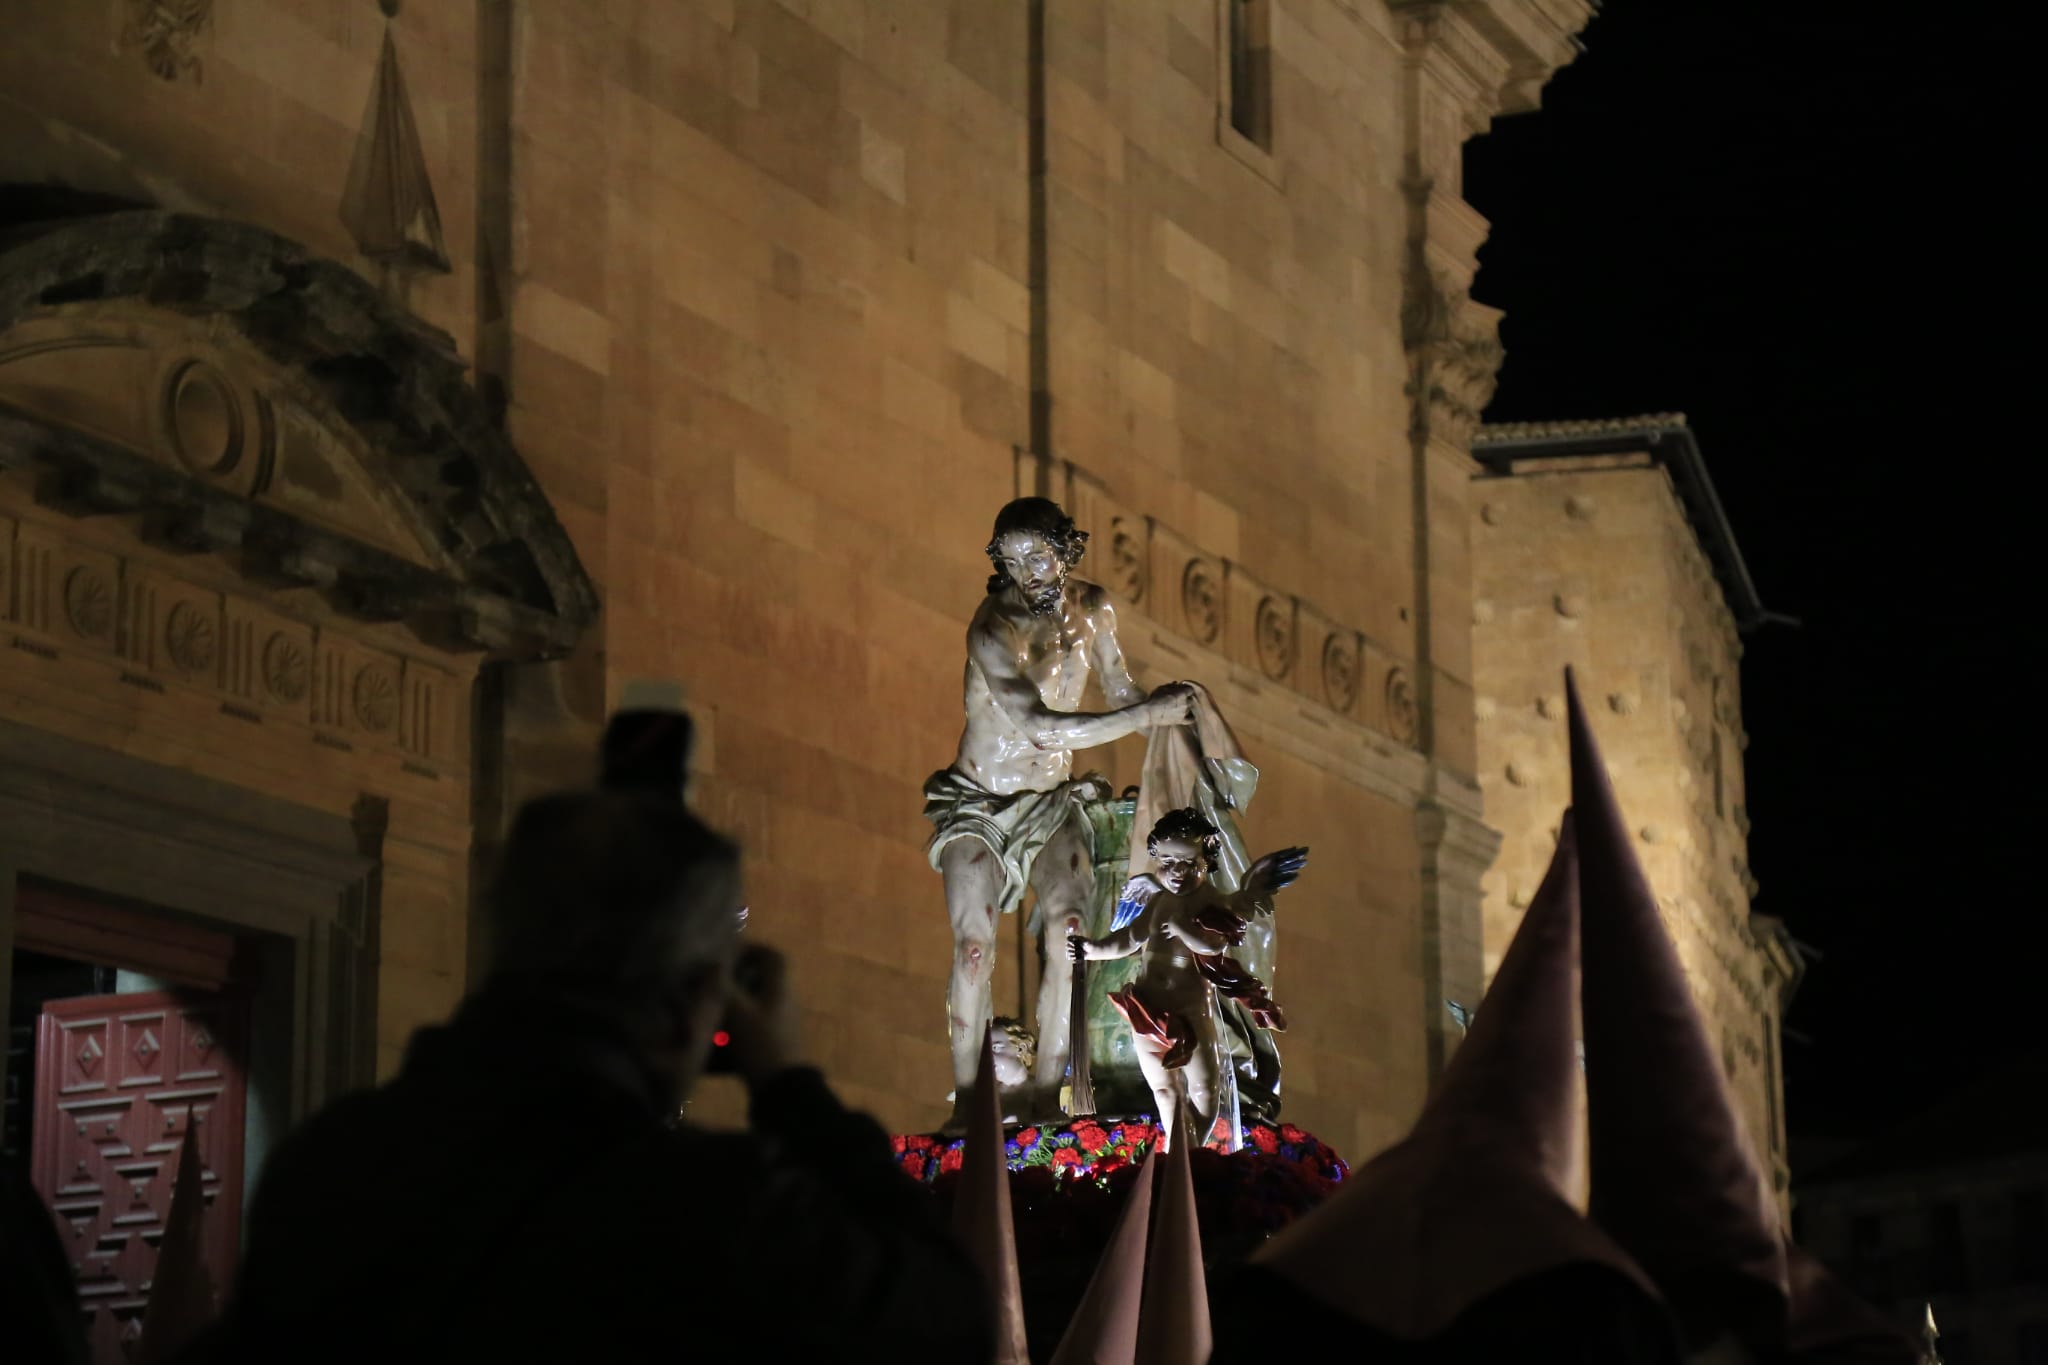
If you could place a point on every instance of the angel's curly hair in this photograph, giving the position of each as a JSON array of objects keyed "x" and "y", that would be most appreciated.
[
  {"x": 1022, "y": 1039},
  {"x": 1041, "y": 517},
  {"x": 1187, "y": 823}
]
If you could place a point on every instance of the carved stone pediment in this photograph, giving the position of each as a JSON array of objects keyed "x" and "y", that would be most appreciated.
[
  {"x": 193, "y": 397},
  {"x": 252, "y": 400}
]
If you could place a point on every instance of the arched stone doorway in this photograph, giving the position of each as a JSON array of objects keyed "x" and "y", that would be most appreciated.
[{"x": 258, "y": 538}]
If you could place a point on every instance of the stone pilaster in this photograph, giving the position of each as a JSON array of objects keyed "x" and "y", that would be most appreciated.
[{"x": 1456, "y": 848}]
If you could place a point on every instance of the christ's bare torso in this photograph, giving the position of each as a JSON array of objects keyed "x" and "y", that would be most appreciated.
[{"x": 1010, "y": 648}]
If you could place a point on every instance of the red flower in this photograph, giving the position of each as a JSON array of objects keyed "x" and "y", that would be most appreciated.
[
  {"x": 1026, "y": 1139},
  {"x": 919, "y": 1143},
  {"x": 951, "y": 1158},
  {"x": 913, "y": 1166},
  {"x": 1294, "y": 1134},
  {"x": 896, "y": 1145},
  {"x": 1091, "y": 1137},
  {"x": 1264, "y": 1138},
  {"x": 1066, "y": 1156}
]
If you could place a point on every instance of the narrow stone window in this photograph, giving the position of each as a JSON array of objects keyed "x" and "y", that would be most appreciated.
[{"x": 1250, "y": 94}]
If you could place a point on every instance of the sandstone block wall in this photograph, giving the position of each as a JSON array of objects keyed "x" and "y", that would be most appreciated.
[
  {"x": 1590, "y": 562},
  {"x": 756, "y": 280}
]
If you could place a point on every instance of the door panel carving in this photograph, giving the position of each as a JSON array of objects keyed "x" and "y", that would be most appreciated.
[{"x": 118, "y": 1079}]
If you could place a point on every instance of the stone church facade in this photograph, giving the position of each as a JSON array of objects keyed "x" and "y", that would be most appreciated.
[{"x": 381, "y": 392}]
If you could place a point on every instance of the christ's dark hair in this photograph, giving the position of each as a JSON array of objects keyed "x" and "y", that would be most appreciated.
[
  {"x": 1041, "y": 517},
  {"x": 1187, "y": 823}
]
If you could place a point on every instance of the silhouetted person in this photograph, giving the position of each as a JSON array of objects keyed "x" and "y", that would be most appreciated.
[
  {"x": 39, "y": 1313},
  {"x": 523, "y": 1191}
]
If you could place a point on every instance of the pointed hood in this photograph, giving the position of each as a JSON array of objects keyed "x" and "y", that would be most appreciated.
[
  {"x": 181, "y": 1291},
  {"x": 981, "y": 1209},
  {"x": 1476, "y": 1198},
  {"x": 1173, "y": 1321},
  {"x": 1104, "y": 1330},
  {"x": 1831, "y": 1326},
  {"x": 1673, "y": 1180}
]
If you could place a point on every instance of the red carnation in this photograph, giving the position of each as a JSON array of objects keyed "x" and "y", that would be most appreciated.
[
  {"x": 1294, "y": 1134},
  {"x": 1066, "y": 1156},
  {"x": 896, "y": 1145},
  {"x": 1091, "y": 1137},
  {"x": 1026, "y": 1139},
  {"x": 951, "y": 1158},
  {"x": 913, "y": 1166},
  {"x": 1264, "y": 1138}
]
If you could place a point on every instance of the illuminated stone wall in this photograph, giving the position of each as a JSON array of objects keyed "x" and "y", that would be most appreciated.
[
  {"x": 756, "y": 283},
  {"x": 1590, "y": 562}
]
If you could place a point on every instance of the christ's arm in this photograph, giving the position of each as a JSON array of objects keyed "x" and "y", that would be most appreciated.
[
  {"x": 1106, "y": 653},
  {"x": 1018, "y": 697}
]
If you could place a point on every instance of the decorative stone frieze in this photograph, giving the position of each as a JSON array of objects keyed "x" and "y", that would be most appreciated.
[{"x": 164, "y": 633}]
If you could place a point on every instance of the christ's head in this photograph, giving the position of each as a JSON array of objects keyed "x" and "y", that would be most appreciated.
[
  {"x": 1033, "y": 547},
  {"x": 1015, "y": 1048},
  {"x": 1185, "y": 847}
]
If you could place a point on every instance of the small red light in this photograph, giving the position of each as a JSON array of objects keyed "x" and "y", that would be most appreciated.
[{"x": 720, "y": 1038}]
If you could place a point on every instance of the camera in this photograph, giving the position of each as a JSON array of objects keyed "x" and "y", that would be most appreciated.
[{"x": 746, "y": 977}]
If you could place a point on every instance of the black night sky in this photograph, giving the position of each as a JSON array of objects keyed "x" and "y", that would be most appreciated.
[{"x": 1802, "y": 226}]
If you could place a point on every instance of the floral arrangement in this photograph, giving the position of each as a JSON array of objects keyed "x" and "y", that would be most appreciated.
[
  {"x": 1092, "y": 1149},
  {"x": 1064, "y": 1180}
]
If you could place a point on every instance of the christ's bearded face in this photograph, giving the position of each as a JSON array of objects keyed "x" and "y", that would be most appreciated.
[
  {"x": 1034, "y": 569},
  {"x": 1182, "y": 864}
]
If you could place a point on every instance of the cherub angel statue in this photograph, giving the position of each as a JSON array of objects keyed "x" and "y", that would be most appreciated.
[{"x": 1185, "y": 928}]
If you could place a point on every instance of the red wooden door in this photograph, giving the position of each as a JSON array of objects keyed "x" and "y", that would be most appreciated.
[{"x": 117, "y": 1079}]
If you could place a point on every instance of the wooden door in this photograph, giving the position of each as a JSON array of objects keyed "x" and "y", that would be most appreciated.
[{"x": 118, "y": 1078}]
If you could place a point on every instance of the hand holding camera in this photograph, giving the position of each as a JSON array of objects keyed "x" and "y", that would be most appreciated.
[{"x": 760, "y": 1024}]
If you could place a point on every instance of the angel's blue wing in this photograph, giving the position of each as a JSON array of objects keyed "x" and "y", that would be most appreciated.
[{"x": 1132, "y": 900}]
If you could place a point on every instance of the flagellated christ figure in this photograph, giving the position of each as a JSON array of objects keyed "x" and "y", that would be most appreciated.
[{"x": 1006, "y": 814}]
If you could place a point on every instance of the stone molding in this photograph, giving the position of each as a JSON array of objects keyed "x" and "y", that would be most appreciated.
[
  {"x": 84, "y": 816},
  {"x": 64, "y": 598}
]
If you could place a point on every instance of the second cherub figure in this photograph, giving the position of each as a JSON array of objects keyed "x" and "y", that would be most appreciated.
[{"x": 1185, "y": 927}]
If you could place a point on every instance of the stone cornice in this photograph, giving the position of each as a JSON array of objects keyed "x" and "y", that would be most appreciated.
[{"x": 1497, "y": 53}]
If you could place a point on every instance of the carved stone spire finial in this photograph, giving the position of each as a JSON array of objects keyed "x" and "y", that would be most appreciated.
[{"x": 388, "y": 205}]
